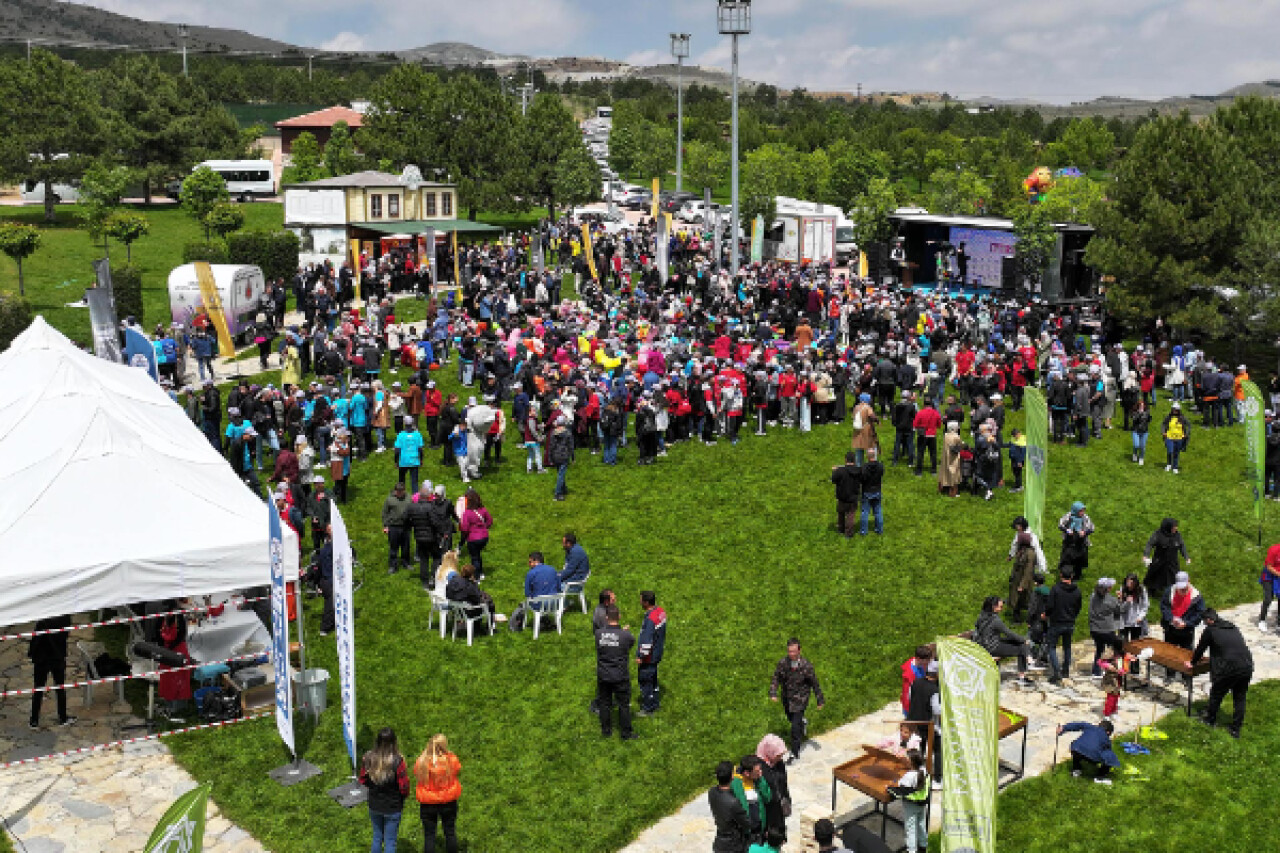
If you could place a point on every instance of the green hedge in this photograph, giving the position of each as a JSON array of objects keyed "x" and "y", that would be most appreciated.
[
  {"x": 15, "y": 316},
  {"x": 214, "y": 252},
  {"x": 276, "y": 252},
  {"x": 126, "y": 283}
]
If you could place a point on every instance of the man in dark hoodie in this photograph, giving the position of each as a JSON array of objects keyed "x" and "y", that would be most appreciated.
[
  {"x": 848, "y": 482},
  {"x": 904, "y": 416},
  {"x": 653, "y": 639},
  {"x": 1060, "y": 616},
  {"x": 1230, "y": 668}
]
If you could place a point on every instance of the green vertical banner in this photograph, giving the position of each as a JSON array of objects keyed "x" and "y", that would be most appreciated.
[
  {"x": 1255, "y": 443},
  {"x": 181, "y": 830},
  {"x": 970, "y": 745},
  {"x": 1037, "y": 459}
]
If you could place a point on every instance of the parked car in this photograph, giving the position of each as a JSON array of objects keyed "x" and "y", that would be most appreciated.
[
  {"x": 640, "y": 199},
  {"x": 696, "y": 211}
]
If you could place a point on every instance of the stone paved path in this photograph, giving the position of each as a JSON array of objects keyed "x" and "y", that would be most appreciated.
[
  {"x": 99, "y": 802},
  {"x": 691, "y": 828}
]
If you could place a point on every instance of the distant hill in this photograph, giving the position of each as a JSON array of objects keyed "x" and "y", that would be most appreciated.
[{"x": 54, "y": 21}]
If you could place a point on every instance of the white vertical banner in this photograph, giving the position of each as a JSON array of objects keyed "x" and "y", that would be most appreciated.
[
  {"x": 280, "y": 629},
  {"x": 345, "y": 628}
]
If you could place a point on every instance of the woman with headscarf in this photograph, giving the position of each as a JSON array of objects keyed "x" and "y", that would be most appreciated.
[
  {"x": 864, "y": 427},
  {"x": 949, "y": 470},
  {"x": 772, "y": 752},
  {"x": 1161, "y": 557}
]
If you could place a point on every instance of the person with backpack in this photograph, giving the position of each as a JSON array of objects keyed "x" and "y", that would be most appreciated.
[{"x": 1177, "y": 433}]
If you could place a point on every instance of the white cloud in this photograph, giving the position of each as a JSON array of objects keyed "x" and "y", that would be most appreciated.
[{"x": 345, "y": 42}]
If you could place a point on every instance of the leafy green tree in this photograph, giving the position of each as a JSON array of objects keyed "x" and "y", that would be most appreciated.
[
  {"x": 853, "y": 166},
  {"x": 101, "y": 189},
  {"x": 1253, "y": 124},
  {"x": 768, "y": 172},
  {"x": 128, "y": 228},
  {"x": 1033, "y": 226},
  {"x": 479, "y": 128},
  {"x": 19, "y": 242},
  {"x": 163, "y": 123},
  {"x": 53, "y": 123},
  {"x": 705, "y": 164},
  {"x": 1074, "y": 200},
  {"x": 401, "y": 125},
  {"x": 870, "y": 212},
  {"x": 304, "y": 161},
  {"x": 555, "y": 166},
  {"x": 957, "y": 191},
  {"x": 1086, "y": 144},
  {"x": 224, "y": 218},
  {"x": 15, "y": 316},
  {"x": 202, "y": 191},
  {"x": 1172, "y": 230},
  {"x": 340, "y": 157}
]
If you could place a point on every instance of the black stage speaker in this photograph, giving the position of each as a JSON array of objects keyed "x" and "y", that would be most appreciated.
[
  {"x": 878, "y": 261},
  {"x": 859, "y": 839},
  {"x": 1008, "y": 276}
]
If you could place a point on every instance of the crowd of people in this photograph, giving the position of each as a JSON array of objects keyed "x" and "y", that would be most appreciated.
[{"x": 652, "y": 360}]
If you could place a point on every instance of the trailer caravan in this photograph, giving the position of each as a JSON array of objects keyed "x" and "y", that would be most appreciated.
[
  {"x": 241, "y": 289},
  {"x": 803, "y": 232}
]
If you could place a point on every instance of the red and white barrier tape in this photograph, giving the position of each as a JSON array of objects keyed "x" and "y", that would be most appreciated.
[
  {"x": 113, "y": 678},
  {"x": 123, "y": 620},
  {"x": 100, "y": 746}
]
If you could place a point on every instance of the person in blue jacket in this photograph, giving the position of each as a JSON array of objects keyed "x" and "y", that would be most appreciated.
[
  {"x": 653, "y": 640},
  {"x": 577, "y": 567},
  {"x": 1094, "y": 746},
  {"x": 358, "y": 417}
]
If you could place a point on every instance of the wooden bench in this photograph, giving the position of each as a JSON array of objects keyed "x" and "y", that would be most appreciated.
[{"x": 1173, "y": 658}]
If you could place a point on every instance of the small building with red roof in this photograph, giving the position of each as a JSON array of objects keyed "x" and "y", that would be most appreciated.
[{"x": 319, "y": 124}]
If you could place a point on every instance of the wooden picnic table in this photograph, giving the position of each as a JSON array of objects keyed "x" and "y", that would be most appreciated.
[{"x": 1173, "y": 658}]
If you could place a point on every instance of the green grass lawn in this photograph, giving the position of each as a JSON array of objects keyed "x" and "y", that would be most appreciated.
[
  {"x": 1198, "y": 789},
  {"x": 60, "y": 271},
  {"x": 739, "y": 544}
]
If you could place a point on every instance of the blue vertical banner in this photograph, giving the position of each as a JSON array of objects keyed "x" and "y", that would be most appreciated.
[
  {"x": 139, "y": 352},
  {"x": 345, "y": 628},
  {"x": 280, "y": 629}
]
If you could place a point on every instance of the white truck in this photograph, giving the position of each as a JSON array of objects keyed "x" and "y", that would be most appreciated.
[
  {"x": 846, "y": 246},
  {"x": 803, "y": 232}
]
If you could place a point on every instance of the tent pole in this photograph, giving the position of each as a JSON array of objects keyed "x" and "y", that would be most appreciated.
[{"x": 302, "y": 646}]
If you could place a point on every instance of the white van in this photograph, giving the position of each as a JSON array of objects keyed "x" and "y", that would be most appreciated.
[
  {"x": 245, "y": 179},
  {"x": 846, "y": 246},
  {"x": 241, "y": 288}
]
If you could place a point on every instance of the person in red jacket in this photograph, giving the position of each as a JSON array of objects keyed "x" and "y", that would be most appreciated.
[
  {"x": 787, "y": 387},
  {"x": 912, "y": 669},
  {"x": 431, "y": 403},
  {"x": 927, "y": 422}
]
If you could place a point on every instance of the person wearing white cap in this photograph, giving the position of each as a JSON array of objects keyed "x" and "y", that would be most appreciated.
[{"x": 1181, "y": 611}]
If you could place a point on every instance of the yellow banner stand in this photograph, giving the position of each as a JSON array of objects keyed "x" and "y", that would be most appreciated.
[
  {"x": 656, "y": 188},
  {"x": 457, "y": 277},
  {"x": 354, "y": 248},
  {"x": 589, "y": 251},
  {"x": 213, "y": 306}
]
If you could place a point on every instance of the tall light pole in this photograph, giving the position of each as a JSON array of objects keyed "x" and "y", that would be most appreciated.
[
  {"x": 680, "y": 50},
  {"x": 734, "y": 20},
  {"x": 182, "y": 34}
]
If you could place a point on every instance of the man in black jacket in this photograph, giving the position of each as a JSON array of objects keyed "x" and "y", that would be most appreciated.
[
  {"x": 872, "y": 478},
  {"x": 428, "y": 521},
  {"x": 1064, "y": 606},
  {"x": 395, "y": 524},
  {"x": 848, "y": 482},
  {"x": 904, "y": 416},
  {"x": 1230, "y": 668},
  {"x": 613, "y": 674},
  {"x": 49, "y": 654},
  {"x": 733, "y": 828}
]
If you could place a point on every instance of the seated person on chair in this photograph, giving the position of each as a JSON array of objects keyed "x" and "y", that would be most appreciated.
[
  {"x": 992, "y": 634},
  {"x": 462, "y": 587},
  {"x": 448, "y": 571},
  {"x": 541, "y": 579},
  {"x": 576, "y": 565}
]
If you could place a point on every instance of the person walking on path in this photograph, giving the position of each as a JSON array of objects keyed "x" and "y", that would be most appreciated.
[
  {"x": 1076, "y": 527},
  {"x": 1270, "y": 580},
  {"x": 733, "y": 829},
  {"x": 384, "y": 772},
  {"x": 1060, "y": 615},
  {"x": 560, "y": 454},
  {"x": 49, "y": 654},
  {"x": 613, "y": 676},
  {"x": 653, "y": 640},
  {"x": 1177, "y": 434},
  {"x": 795, "y": 679},
  {"x": 1093, "y": 746},
  {"x": 437, "y": 771},
  {"x": 1230, "y": 668}
]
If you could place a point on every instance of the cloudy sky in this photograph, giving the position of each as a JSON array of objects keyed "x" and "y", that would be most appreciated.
[{"x": 1051, "y": 50}]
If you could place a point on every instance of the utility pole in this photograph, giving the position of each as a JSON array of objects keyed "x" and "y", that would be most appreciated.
[
  {"x": 526, "y": 97},
  {"x": 309, "y": 57},
  {"x": 28, "y": 51},
  {"x": 182, "y": 34},
  {"x": 680, "y": 50},
  {"x": 859, "y": 93},
  {"x": 734, "y": 20}
]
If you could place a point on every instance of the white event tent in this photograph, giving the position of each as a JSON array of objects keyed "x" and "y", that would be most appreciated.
[{"x": 109, "y": 495}]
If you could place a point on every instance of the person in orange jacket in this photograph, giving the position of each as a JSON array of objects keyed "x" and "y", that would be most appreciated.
[{"x": 438, "y": 790}]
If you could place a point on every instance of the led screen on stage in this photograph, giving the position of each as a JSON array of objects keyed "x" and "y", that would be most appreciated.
[{"x": 986, "y": 250}]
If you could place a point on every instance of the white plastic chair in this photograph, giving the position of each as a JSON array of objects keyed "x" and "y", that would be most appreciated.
[
  {"x": 545, "y": 605},
  {"x": 470, "y": 614},
  {"x": 88, "y": 651},
  {"x": 439, "y": 604},
  {"x": 577, "y": 588}
]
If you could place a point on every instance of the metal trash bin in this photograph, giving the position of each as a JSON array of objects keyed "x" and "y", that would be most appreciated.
[{"x": 314, "y": 697}]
